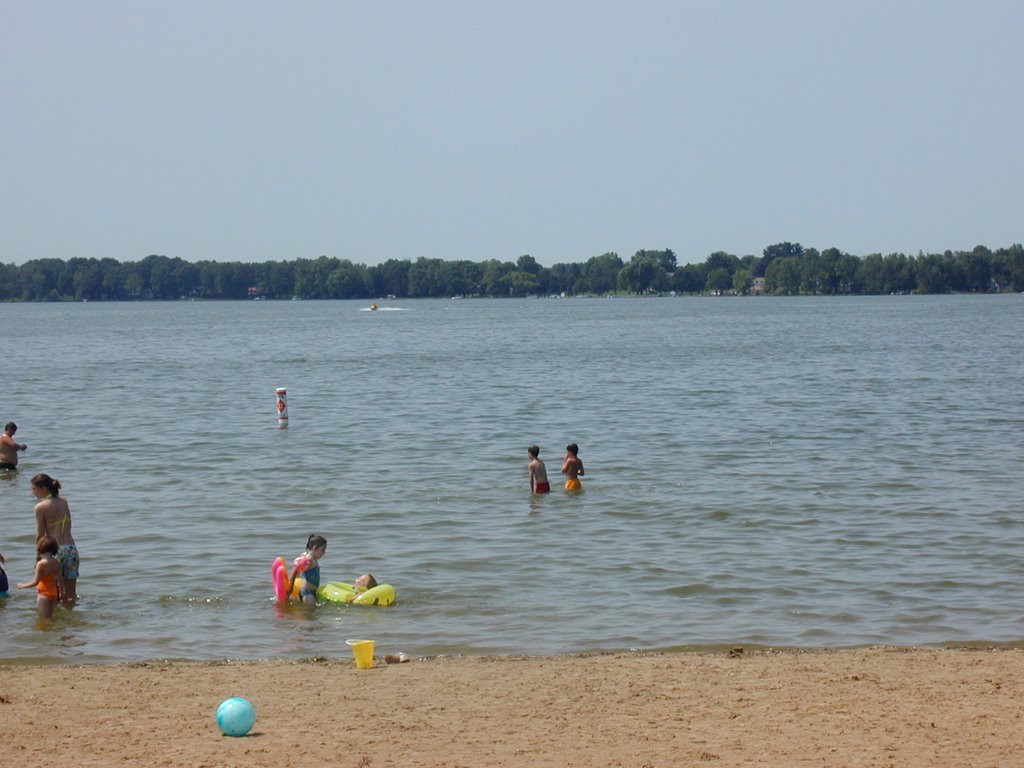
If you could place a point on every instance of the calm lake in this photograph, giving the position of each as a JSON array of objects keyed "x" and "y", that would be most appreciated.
[{"x": 805, "y": 472}]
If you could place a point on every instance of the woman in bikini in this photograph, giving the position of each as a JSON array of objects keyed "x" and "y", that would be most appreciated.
[{"x": 53, "y": 519}]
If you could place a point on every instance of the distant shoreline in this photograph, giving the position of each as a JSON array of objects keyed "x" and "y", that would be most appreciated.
[
  {"x": 472, "y": 297},
  {"x": 786, "y": 269}
]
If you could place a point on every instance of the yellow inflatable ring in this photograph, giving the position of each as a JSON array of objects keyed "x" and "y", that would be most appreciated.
[{"x": 346, "y": 594}]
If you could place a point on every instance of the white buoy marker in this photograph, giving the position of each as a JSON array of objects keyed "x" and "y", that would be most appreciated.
[{"x": 282, "y": 408}]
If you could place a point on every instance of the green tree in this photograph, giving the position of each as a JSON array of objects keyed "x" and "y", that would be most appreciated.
[
  {"x": 783, "y": 276},
  {"x": 871, "y": 275},
  {"x": 464, "y": 278},
  {"x": 10, "y": 282},
  {"x": 666, "y": 258},
  {"x": 847, "y": 269},
  {"x": 690, "y": 278},
  {"x": 87, "y": 276},
  {"x": 828, "y": 271},
  {"x": 233, "y": 280},
  {"x": 899, "y": 273},
  {"x": 976, "y": 268},
  {"x": 391, "y": 278},
  {"x": 492, "y": 277},
  {"x": 520, "y": 283},
  {"x": 158, "y": 278},
  {"x": 134, "y": 282},
  {"x": 641, "y": 275},
  {"x": 1008, "y": 267},
  {"x": 931, "y": 274},
  {"x": 423, "y": 277},
  {"x": 719, "y": 281},
  {"x": 722, "y": 260},
  {"x": 562, "y": 278},
  {"x": 777, "y": 251},
  {"x": 274, "y": 280},
  {"x": 600, "y": 273},
  {"x": 207, "y": 287},
  {"x": 742, "y": 281},
  {"x": 40, "y": 279},
  {"x": 527, "y": 263},
  {"x": 347, "y": 281},
  {"x": 813, "y": 272},
  {"x": 310, "y": 277}
]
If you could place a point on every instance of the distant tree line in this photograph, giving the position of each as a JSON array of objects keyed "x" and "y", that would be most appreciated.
[{"x": 785, "y": 269}]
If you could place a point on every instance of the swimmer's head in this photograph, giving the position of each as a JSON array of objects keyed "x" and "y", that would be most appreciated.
[
  {"x": 534, "y": 451},
  {"x": 49, "y": 484},
  {"x": 316, "y": 544},
  {"x": 366, "y": 581},
  {"x": 46, "y": 546}
]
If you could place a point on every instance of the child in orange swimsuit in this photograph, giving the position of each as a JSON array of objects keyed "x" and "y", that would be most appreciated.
[{"x": 47, "y": 576}]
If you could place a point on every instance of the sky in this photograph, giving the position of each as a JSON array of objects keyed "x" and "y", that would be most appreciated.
[{"x": 250, "y": 130}]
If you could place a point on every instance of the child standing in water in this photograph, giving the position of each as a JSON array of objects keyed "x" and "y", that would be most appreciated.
[
  {"x": 47, "y": 577},
  {"x": 572, "y": 468},
  {"x": 538, "y": 472},
  {"x": 307, "y": 568}
]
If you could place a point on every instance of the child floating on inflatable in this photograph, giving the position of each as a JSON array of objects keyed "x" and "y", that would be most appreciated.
[
  {"x": 304, "y": 583},
  {"x": 364, "y": 591},
  {"x": 364, "y": 582}
]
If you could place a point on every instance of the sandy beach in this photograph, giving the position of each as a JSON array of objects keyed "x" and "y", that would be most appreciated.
[{"x": 866, "y": 707}]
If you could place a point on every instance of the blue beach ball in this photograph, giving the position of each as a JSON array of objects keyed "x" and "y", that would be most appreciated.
[{"x": 236, "y": 716}]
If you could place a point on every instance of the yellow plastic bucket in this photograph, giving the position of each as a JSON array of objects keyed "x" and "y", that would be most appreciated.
[{"x": 363, "y": 651}]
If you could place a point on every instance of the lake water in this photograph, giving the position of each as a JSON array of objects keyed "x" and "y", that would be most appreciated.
[{"x": 812, "y": 472}]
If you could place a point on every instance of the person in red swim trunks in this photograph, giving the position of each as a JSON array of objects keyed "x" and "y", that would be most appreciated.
[{"x": 538, "y": 472}]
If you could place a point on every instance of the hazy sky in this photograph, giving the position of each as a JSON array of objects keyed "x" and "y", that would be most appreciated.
[{"x": 472, "y": 129}]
